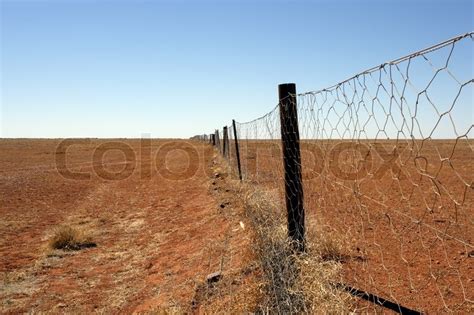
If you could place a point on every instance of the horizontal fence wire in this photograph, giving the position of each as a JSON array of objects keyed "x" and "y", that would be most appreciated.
[{"x": 387, "y": 162}]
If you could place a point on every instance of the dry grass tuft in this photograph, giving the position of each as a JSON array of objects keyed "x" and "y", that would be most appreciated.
[
  {"x": 329, "y": 247},
  {"x": 69, "y": 238},
  {"x": 294, "y": 283},
  {"x": 318, "y": 278}
]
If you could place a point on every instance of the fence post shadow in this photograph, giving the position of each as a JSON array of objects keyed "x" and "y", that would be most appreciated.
[{"x": 377, "y": 300}]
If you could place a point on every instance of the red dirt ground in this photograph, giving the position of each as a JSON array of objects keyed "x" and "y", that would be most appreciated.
[{"x": 158, "y": 232}]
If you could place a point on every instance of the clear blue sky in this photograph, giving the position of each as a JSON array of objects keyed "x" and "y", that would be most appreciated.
[{"x": 178, "y": 68}]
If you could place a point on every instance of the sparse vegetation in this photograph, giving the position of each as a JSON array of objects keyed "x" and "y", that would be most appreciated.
[
  {"x": 329, "y": 247},
  {"x": 289, "y": 283},
  {"x": 294, "y": 283},
  {"x": 68, "y": 238}
]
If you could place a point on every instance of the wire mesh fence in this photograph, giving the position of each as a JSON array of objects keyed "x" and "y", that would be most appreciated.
[{"x": 387, "y": 167}]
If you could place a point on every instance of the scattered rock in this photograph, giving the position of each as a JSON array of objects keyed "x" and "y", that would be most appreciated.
[{"x": 214, "y": 277}]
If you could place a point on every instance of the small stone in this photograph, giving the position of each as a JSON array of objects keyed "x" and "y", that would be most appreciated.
[{"x": 214, "y": 277}]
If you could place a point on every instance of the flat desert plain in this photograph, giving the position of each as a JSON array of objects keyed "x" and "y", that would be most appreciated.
[
  {"x": 157, "y": 216},
  {"x": 161, "y": 215}
]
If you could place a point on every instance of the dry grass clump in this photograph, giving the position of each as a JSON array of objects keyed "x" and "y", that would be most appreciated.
[
  {"x": 329, "y": 247},
  {"x": 276, "y": 258},
  {"x": 294, "y": 283},
  {"x": 318, "y": 279},
  {"x": 68, "y": 238}
]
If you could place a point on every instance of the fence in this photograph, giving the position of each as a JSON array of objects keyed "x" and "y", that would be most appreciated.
[{"x": 386, "y": 162}]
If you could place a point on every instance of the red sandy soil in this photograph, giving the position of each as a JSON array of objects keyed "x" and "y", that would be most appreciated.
[{"x": 159, "y": 232}]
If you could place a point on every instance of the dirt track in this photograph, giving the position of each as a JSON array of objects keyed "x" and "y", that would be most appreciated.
[{"x": 159, "y": 232}]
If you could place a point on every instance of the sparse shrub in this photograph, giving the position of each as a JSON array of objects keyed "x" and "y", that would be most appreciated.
[{"x": 68, "y": 238}]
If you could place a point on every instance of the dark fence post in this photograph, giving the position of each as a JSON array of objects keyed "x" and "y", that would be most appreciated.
[
  {"x": 292, "y": 162},
  {"x": 213, "y": 139},
  {"x": 237, "y": 153},
  {"x": 225, "y": 136},
  {"x": 218, "y": 141}
]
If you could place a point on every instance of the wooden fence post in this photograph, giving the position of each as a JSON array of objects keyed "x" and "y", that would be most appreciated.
[
  {"x": 218, "y": 141},
  {"x": 225, "y": 136},
  {"x": 292, "y": 163},
  {"x": 237, "y": 152}
]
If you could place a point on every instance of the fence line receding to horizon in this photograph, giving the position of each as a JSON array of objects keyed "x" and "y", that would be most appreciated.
[{"x": 387, "y": 167}]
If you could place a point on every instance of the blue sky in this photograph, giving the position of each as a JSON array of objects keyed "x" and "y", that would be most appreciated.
[{"x": 178, "y": 68}]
